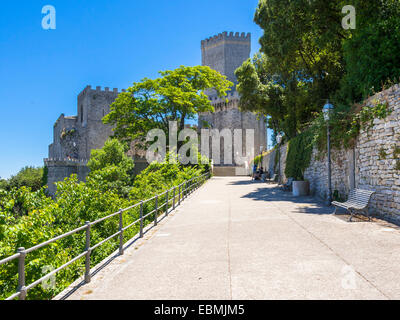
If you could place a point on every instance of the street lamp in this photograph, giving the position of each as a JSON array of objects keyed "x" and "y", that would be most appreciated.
[
  {"x": 279, "y": 140},
  {"x": 327, "y": 110}
]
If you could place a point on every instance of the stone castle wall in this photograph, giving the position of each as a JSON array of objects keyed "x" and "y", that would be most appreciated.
[
  {"x": 228, "y": 116},
  {"x": 75, "y": 137},
  {"x": 226, "y": 52}
]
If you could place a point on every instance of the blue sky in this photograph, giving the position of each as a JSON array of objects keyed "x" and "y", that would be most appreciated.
[{"x": 106, "y": 43}]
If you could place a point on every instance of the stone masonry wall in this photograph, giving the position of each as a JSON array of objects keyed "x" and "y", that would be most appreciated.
[
  {"x": 374, "y": 163},
  {"x": 378, "y": 163},
  {"x": 268, "y": 162}
]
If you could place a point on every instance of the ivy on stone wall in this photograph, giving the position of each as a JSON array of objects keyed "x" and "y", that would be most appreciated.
[
  {"x": 299, "y": 155},
  {"x": 396, "y": 156}
]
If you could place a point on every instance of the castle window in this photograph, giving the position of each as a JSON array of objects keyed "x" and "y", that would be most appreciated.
[{"x": 81, "y": 113}]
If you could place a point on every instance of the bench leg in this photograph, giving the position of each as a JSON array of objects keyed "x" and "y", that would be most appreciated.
[
  {"x": 334, "y": 212},
  {"x": 367, "y": 214},
  {"x": 351, "y": 215}
]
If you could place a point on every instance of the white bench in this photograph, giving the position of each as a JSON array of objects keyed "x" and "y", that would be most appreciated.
[{"x": 358, "y": 201}]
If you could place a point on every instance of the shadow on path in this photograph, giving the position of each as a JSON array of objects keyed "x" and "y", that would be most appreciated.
[{"x": 272, "y": 192}]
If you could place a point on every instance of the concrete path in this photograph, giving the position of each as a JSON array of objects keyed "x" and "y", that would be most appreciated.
[{"x": 237, "y": 239}]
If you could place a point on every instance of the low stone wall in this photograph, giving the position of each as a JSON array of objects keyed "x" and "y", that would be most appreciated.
[
  {"x": 342, "y": 173},
  {"x": 58, "y": 170},
  {"x": 373, "y": 164}
]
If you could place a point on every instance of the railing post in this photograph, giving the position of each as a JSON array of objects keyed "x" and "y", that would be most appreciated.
[
  {"x": 88, "y": 252},
  {"x": 173, "y": 200},
  {"x": 184, "y": 190},
  {"x": 156, "y": 211},
  {"x": 166, "y": 204},
  {"x": 121, "y": 234},
  {"x": 141, "y": 219},
  {"x": 179, "y": 195},
  {"x": 21, "y": 273}
]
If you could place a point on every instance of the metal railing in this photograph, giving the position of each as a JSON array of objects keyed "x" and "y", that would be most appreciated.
[{"x": 184, "y": 189}]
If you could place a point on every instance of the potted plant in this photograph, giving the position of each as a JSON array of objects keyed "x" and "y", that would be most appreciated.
[{"x": 300, "y": 187}]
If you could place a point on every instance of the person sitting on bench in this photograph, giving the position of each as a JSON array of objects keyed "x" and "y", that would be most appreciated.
[{"x": 253, "y": 177}]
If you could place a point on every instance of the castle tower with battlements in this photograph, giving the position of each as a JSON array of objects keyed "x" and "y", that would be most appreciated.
[
  {"x": 226, "y": 52},
  {"x": 74, "y": 137}
]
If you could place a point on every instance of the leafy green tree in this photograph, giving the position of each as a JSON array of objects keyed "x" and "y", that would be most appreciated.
[
  {"x": 178, "y": 95},
  {"x": 3, "y": 184},
  {"x": 302, "y": 62},
  {"x": 110, "y": 168},
  {"x": 30, "y": 177},
  {"x": 372, "y": 53},
  {"x": 260, "y": 91},
  {"x": 307, "y": 57}
]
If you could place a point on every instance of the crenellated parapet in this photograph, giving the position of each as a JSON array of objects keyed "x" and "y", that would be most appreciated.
[
  {"x": 225, "y": 36},
  {"x": 99, "y": 89}
]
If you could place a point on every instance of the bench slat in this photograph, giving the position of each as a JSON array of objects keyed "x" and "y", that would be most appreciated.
[{"x": 358, "y": 199}]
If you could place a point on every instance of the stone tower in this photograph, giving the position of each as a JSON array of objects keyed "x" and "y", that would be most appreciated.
[
  {"x": 75, "y": 136},
  {"x": 225, "y": 53}
]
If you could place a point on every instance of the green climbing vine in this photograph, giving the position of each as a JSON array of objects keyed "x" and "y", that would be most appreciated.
[{"x": 299, "y": 155}]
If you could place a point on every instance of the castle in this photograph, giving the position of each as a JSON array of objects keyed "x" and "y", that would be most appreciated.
[
  {"x": 74, "y": 137},
  {"x": 225, "y": 53}
]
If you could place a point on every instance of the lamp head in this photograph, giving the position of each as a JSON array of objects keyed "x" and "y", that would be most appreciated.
[
  {"x": 278, "y": 138},
  {"x": 327, "y": 110}
]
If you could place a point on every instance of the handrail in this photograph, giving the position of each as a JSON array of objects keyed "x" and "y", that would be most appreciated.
[{"x": 185, "y": 188}]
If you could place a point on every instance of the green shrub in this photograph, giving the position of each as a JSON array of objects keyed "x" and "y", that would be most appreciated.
[
  {"x": 299, "y": 155},
  {"x": 28, "y": 218},
  {"x": 30, "y": 177}
]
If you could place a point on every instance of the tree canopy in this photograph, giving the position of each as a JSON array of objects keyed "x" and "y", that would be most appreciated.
[
  {"x": 307, "y": 57},
  {"x": 178, "y": 95},
  {"x": 30, "y": 177},
  {"x": 110, "y": 168}
]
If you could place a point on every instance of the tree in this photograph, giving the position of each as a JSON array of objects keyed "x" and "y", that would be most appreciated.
[
  {"x": 110, "y": 168},
  {"x": 300, "y": 65},
  {"x": 178, "y": 95},
  {"x": 307, "y": 57},
  {"x": 372, "y": 54},
  {"x": 3, "y": 184},
  {"x": 30, "y": 177},
  {"x": 260, "y": 92}
]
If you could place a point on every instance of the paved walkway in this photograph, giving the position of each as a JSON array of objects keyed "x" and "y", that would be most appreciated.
[{"x": 237, "y": 239}]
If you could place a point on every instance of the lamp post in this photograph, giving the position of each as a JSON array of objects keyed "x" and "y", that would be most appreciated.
[
  {"x": 279, "y": 140},
  {"x": 327, "y": 110}
]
